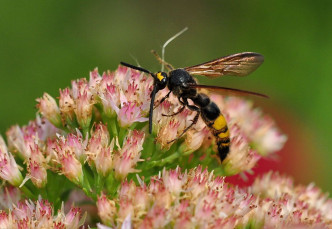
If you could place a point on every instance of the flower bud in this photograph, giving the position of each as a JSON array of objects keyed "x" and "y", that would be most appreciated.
[{"x": 49, "y": 109}]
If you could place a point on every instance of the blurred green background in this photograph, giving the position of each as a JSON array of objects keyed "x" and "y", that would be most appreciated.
[{"x": 45, "y": 44}]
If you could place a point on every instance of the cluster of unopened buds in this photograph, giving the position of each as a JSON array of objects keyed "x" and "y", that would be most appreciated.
[{"x": 95, "y": 138}]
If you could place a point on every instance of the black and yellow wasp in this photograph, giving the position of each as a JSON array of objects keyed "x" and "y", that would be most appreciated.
[{"x": 183, "y": 86}]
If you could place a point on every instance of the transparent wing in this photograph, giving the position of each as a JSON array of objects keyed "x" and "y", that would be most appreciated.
[
  {"x": 227, "y": 90},
  {"x": 240, "y": 64}
]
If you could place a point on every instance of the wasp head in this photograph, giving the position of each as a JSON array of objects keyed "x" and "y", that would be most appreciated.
[{"x": 161, "y": 80}]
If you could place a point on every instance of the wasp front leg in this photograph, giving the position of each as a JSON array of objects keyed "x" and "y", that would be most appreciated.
[{"x": 162, "y": 100}]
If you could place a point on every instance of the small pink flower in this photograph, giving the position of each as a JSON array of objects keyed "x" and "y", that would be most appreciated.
[
  {"x": 104, "y": 160},
  {"x": 106, "y": 210},
  {"x": 127, "y": 189},
  {"x": 124, "y": 164},
  {"x": 49, "y": 109},
  {"x": 9, "y": 169},
  {"x": 141, "y": 201},
  {"x": 168, "y": 133},
  {"x": 94, "y": 81},
  {"x": 127, "y": 157},
  {"x": 67, "y": 105},
  {"x": 156, "y": 217},
  {"x": 71, "y": 167},
  {"x": 38, "y": 173},
  {"x": 133, "y": 142},
  {"x": 16, "y": 141},
  {"x": 173, "y": 180},
  {"x": 195, "y": 139},
  {"x": 83, "y": 109},
  {"x": 129, "y": 113},
  {"x": 73, "y": 144},
  {"x": 110, "y": 99},
  {"x": 9, "y": 196},
  {"x": 125, "y": 208},
  {"x": 5, "y": 220},
  {"x": 72, "y": 218},
  {"x": 107, "y": 79}
]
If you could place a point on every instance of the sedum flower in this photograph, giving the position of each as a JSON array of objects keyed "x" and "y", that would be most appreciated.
[
  {"x": 38, "y": 173},
  {"x": 9, "y": 196},
  {"x": 71, "y": 167},
  {"x": 83, "y": 109},
  {"x": 129, "y": 113},
  {"x": 66, "y": 106},
  {"x": 48, "y": 107},
  {"x": 9, "y": 170},
  {"x": 126, "y": 158},
  {"x": 70, "y": 164},
  {"x": 106, "y": 210}
]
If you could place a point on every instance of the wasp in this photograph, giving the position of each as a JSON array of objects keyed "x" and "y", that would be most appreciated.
[{"x": 183, "y": 85}]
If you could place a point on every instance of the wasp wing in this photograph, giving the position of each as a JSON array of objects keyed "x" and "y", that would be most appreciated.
[
  {"x": 240, "y": 64},
  {"x": 227, "y": 90}
]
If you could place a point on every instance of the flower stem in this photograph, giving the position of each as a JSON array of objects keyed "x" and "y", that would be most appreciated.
[{"x": 27, "y": 192}]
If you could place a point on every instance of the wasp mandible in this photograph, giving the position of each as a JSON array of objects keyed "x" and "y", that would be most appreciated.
[{"x": 182, "y": 84}]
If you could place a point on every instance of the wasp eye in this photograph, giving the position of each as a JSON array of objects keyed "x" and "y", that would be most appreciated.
[{"x": 164, "y": 74}]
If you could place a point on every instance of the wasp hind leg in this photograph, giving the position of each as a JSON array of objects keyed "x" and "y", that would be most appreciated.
[{"x": 178, "y": 112}]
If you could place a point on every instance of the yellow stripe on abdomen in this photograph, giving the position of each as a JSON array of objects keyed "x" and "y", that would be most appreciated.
[
  {"x": 224, "y": 135},
  {"x": 219, "y": 123}
]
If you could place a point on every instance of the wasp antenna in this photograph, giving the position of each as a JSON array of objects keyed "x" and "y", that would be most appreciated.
[
  {"x": 135, "y": 67},
  {"x": 167, "y": 42}
]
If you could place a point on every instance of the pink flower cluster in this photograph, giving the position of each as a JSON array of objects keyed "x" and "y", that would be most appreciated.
[
  {"x": 198, "y": 199},
  {"x": 39, "y": 214},
  {"x": 125, "y": 93},
  {"x": 28, "y": 143}
]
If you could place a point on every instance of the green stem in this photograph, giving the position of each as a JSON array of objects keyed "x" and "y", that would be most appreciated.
[
  {"x": 122, "y": 134},
  {"x": 27, "y": 192},
  {"x": 100, "y": 181},
  {"x": 163, "y": 161},
  {"x": 114, "y": 130}
]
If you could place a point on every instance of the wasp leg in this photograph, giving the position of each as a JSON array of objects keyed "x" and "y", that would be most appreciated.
[
  {"x": 194, "y": 121},
  {"x": 163, "y": 99},
  {"x": 188, "y": 127},
  {"x": 167, "y": 65},
  {"x": 178, "y": 112}
]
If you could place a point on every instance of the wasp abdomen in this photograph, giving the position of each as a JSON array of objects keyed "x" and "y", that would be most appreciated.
[{"x": 216, "y": 121}]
